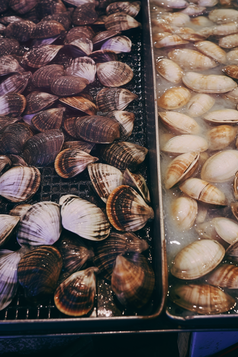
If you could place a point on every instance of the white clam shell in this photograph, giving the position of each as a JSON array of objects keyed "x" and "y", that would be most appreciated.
[
  {"x": 221, "y": 166},
  {"x": 191, "y": 59},
  {"x": 221, "y": 136},
  {"x": 224, "y": 276},
  {"x": 184, "y": 211},
  {"x": 167, "y": 39},
  {"x": 212, "y": 83},
  {"x": 199, "y": 104},
  {"x": 223, "y": 16},
  {"x": 229, "y": 41},
  {"x": 169, "y": 70},
  {"x": 185, "y": 143},
  {"x": 225, "y": 29},
  {"x": 180, "y": 123},
  {"x": 197, "y": 259},
  {"x": 227, "y": 116},
  {"x": 7, "y": 224},
  {"x": 212, "y": 50},
  {"x": 41, "y": 224},
  {"x": 174, "y": 98},
  {"x": 84, "y": 218}
]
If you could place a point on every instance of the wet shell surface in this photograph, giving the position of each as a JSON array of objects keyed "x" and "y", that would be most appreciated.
[
  {"x": 39, "y": 270},
  {"x": 41, "y": 224},
  {"x": 197, "y": 259},
  {"x": 12, "y": 104},
  {"x": 169, "y": 70},
  {"x": 191, "y": 60},
  {"x": 133, "y": 280},
  {"x": 37, "y": 101},
  {"x": 138, "y": 182},
  {"x": 185, "y": 143},
  {"x": 48, "y": 119},
  {"x": 211, "y": 83},
  {"x": 221, "y": 136},
  {"x": 202, "y": 299},
  {"x": 84, "y": 218},
  {"x": 224, "y": 276},
  {"x": 184, "y": 212},
  {"x": 180, "y": 123},
  {"x": 25, "y": 181},
  {"x": 75, "y": 296},
  {"x": 199, "y": 104},
  {"x": 222, "y": 116},
  {"x": 174, "y": 98},
  {"x": 126, "y": 209},
  {"x": 41, "y": 56}
]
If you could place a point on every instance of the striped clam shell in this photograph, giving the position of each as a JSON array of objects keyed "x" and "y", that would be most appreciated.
[
  {"x": 75, "y": 295},
  {"x": 84, "y": 218},
  {"x": 41, "y": 224},
  {"x": 7, "y": 225}
]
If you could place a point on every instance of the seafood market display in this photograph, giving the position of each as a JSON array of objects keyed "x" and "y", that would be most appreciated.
[
  {"x": 66, "y": 91},
  {"x": 196, "y": 59}
]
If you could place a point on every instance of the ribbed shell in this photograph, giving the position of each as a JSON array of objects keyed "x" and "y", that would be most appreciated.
[
  {"x": 84, "y": 218},
  {"x": 84, "y": 14},
  {"x": 14, "y": 137},
  {"x": 126, "y": 120},
  {"x": 68, "y": 85},
  {"x": 71, "y": 162},
  {"x": 130, "y": 8},
  {"x": 44, "y": 76},
  {"x": 8, "y": 46},
  {"x": 224, "y": 276},
  {"x": 124, "y": 155},
  {"x": 20, "y": 30},
  {"x": 20, "y": 183},
  {"x": 126, "y": 209},
  {"x": 48, "y": 28},
  {"x": 39, "y": 270},
  {"x": 12, "y": 104},
  {"x": 80, "y": 103},
  {"x": 114, "y": 73},
  {"x": 8, "y": 64},
  {"x": 107, "y": 251},
  {"x": 97, "y": 129},
  {"x": 105, "y": 178},
  {"x": 138, "y": 182},
  {"x": 120, "y": 21},
  {"x": 83, "y": 67},
  {"x": 41, "y": 225},
  {"x": 79, "y": 144},
  {"x": 109, "y": 99},
  {"x": 7, "y": 225},
  {"x": 37, "y": 101},
  {"x": 43, "y": 148},
  {"x": 75, "y": 296},
  {"x": 41, "y": 56},
  {"x": 133, "y": 280},
  {"x": 48, "y": 119},
  {"x": 15, "y": 83}
]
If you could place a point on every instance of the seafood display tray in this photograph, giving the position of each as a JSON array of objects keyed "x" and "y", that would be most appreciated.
[{"x": 20, "y": 315}]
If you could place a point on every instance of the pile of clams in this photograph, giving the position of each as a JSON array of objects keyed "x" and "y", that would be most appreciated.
[
  {"x": 63, "y": 101},
  {"x": 196, "y": 64}
]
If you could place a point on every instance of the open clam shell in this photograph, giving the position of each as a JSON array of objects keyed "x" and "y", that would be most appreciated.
[
  {"x": 126, "y": 209},
  {"x": 133, "y": 280},
  {"x": 117, "y": 243},
  {"x": 203, "y": 299},
  {"x": 105, "y": 178},
  {"x": 41, "y": 225},
  {"x": 20, "y": 183},
  {"x": 38, "y": 271},
  {"x": 84, "y": 218},
  {"x": 75, "y": 295},
  {"x": 197, "y": 259}
]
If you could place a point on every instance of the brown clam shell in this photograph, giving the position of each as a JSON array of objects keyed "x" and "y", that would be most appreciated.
[
  {"x": 120, "y": 21},
  {"x": 126, "y": 120},
  {"x": 79, "y": 144},
  {"x": 7, "y": 226},
  {"x": 8, "y": 64},
  {"x": 84, "y": 14},
  {"x": 71, "y": 162},
  {"x": 48, "y": 119},
  {"x": 64, "y": 18},
  {"x": 44, "y": 76},
  {"x": 224, "y": 276},
  {"x": 109, "y": 99},
  {"x": 231, "y": 71},
  {"x": 97, "y": 129},
  {"x": 80, "y": 103},
  {"x": 102, "y": 36},
  {"x": 114, "y": 73},
  {"x": 68, "y": 85},
  {"x": 6, "y": 120},
  {"x": 8, "y": 46},
  {"x": 14, "y": 137},
  {"x": 126, "y": 209},
  {"x": 21, "y": 30},
  {"x": 16, "y": 83},
  {"x": 47, "y": 28},
  {"x": 130, "y": 8},
  {"x": 138, "y": 182},
  {"x": 37, "y": 101},
  {"x": 22, "y": 6},
  {"x": 5, "y": 163},
  {"x": 49, "y": 7},
  {"x": 101, "y": 56},
  {"x": 81, "y": 47},
  {"x": 12, "y": 104},
  {"x": 78, "y": 32},
  {"x": 83, "y": 67},
  {"x": 41, "y": 56}
]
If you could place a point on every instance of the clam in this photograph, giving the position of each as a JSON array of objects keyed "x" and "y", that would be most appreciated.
[
  {"x": 133, "y": 280},
  {"x": 184, "y": 212},
  {"x": 46, "y": 7},
  {"x": 174, "y": 4},
  {"x": 79, "y": 144},
  {"x": 229, "y": 41},
  {"x": 15, "y": 83},
  {"x": 180, "y": 123},
  {"x": 107, "y": 251},
  {"x": 5, "y": 163},
  {"x": 41, "y": 225},
  {"x": 199, "y": 104},
  {"x": 63, "y": 18},
  {"x": 220, "y": 167},
  {"x": 130, "y": 8},
  {"x": 126, "y": 121},
  {"x": 97, "y": 129},
  {"x": 38, "y": 272},
  {"x": 37, "y": 101},
  {"x": 201, "y": 298},
  {"x": 79, "y": 32},
  {"x": 47, "y": 28},
  {"x": 83, "y": 67},
  {"x": 103, "y": 56},
  {"x": 181, "y": 144},
  {"x": 120, "y": 21},
  {"x": 234, "y": 207},
  {"x": 14, "y": 137},
  {"x": 174, "y": 98},
  {"x": 48, "y": 119},
  {"x": 191, "y": 59},
  {"x": 226, "y": 116},
  {"x": 7, "y": 225},
  {"x": 231, "y": 71},
  {"x": 8, "y": 275},
  {"x": 167, "y": 39},
  {"x": 105, "y": 178},
  {"x": 71, "y": 162},
  {"x": 75, "y": 296},
  {"x": 8, "y": 64},
  {"x": 232, "y": 56},
  {"x": 68, "y": 85},
  {"x": 211, "y": 83},
  {"x": 20, "y": 210},
  {"x": 80, "y": 103},
  {"x": 80, "y": 47},
  {"x": 117, "y": 44},
  {"x": 12, "y": 104},
  {"x": 44, "y": 76},
  {"x": 20, "y": 30},
  {"x": 212, "y": 50},
  {"x": 6, "y": 120},
  {"x": 8, "y": 46},
  {"x": 41, "y": 56},
  {"x": 22, "y": 6},
  {"x": 232, "y": 251},
  {"x": 169, "y": 70},
  {"x": 235, "y": 185},
  {"x": 84, "y": 14},
  {"x": 109, "y": 99},
  {"x": 42, "y": 148},
  {"x": 84, "y": 218},
  {"x": 224, "y": 276},
  {"x": 20, "y": 183},
  {"x": 221, "y": 136},
  {"x": 138, "y": 182},
  {"x": 126, "y": 209},
  {"x": 180, "y": 168},
  {"x": 203, "y": 191},
  {"x": 197, "y": 259},
  {"x": 124, "y": 155},
  {"x": 114, "y": 73},
  {"x": 223, "y": 16},
  {"x": 102, "y": 37}
]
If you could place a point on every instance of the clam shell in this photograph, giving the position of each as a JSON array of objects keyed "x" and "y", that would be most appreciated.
[
  {"x": 191, "y": 60},
  {"x": 38, "y": 272},
  {"x": 5, "y": 163},
  {"x": 220, "y": 167},
  {"x": 114, "y": 73},
  {"x": 224, "y": 276},
  {"x": 231, "y": 71},
  {"x": 184, "y": 212},
  {"x": 14, "y": 137},
  {"x": 203, "y": 191},
  {"x": 43, "y": 148},
  {"x": 79, "y": 144},
  {"x": 223, "y": 16},
  {"x": 80, "y": 103},
  {"x": 109, "y": 99},
  {"x": 138, "y": 182},
  {"x": 197, "y": 259},
  {"x": 84, "y": 218},
  {"x": 23, "y": 6},
  {"x": 12, "y": 104},
  {"x": 212, "y": 83},
  {"x": 41, "y": 56},
  {"x": 167, "y": 39},
  {"x": 37, "y": 101},
  {"x": 174, "y": 98},
  {"x": 97, "y": 129},
  {"x": 117, "y": 243},
  {"x": 221, "y": 136},
  {"x": 48, "y": 119},
  {"x": 181, "y": 144},
  {"x": 77, "y": 32},
  {"x": 130, "y": 8},
  {"x": 20, "y": 210},
  {"x": 84, "y": 14},
  {"x": 180, "y": 168},
  {"x": 20, "y": 30},
  {"x": 202, "y": 299},
  {"x": 169, "y": 70},
  {"x": 75, "y": 296},
  {"x": 199, "y": 104},
  {"x": 126, "y": 209},
  {"x": 83, "y": 67},
  {"x": 8, "y": 64},
  {"x": 226, "y": 116},
  {"x": 229, "y": 41},
  {"x": 44, "y": 76},
  {"x": 71, "y": 162},
  {"x": 120, "y": 21},
  {"x": 118, "y": 44},
  {"x": 7, "y": 225},
  {"x": 180, "y": 123},
  {"x": 20, "y": 183},
  {"x": 133, "y": 280},
  {"x": 40, "y": 225},
  {"x": 47, "y": 28},
  {"x": 124, "y": 155},
  {"x": 126, "y": 121},
  {"x": 100, "y": 56},
  {"x": 212, "y": 50},
  {"x": 15, "y": 83},
  {"x": 8, "y": 46},
  {"x": 68, "y": 85},
  {"x": 232, "y": 252},
  {"x": 235, "y": 185}
]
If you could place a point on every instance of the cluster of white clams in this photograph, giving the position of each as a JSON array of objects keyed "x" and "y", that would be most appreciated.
[{"x": 196, "y": 61}]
